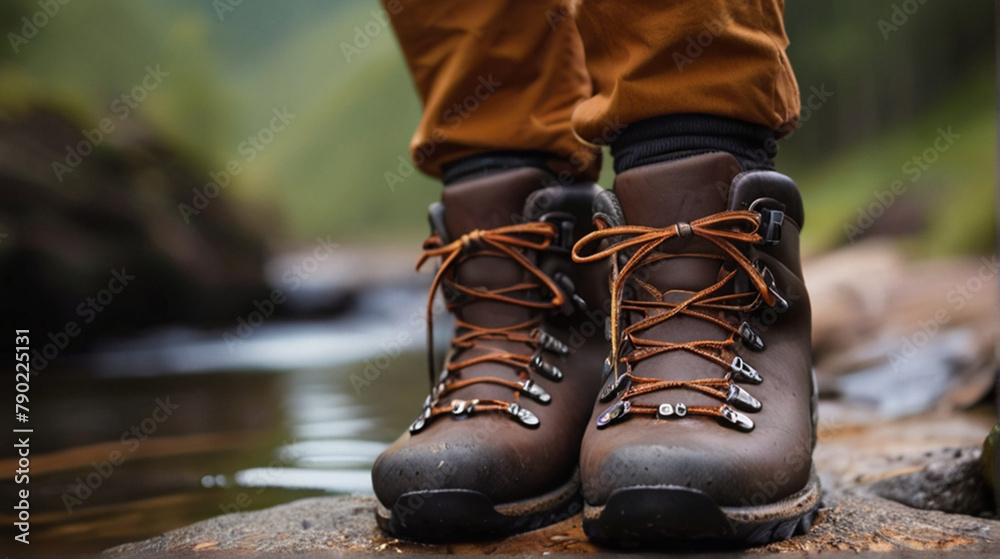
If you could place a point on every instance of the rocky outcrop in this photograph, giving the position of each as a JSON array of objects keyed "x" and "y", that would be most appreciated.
[{"x": 91, "y": 232}]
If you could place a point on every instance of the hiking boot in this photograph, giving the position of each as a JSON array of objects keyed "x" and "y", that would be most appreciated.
[
  {"x": 495, "y": 449},
  {"x": 705, "y": 424}
]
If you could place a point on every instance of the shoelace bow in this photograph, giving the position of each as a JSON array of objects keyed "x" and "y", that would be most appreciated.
[
  {"x": 639, "y": 244},
  {"x": 504, "y": 242}
]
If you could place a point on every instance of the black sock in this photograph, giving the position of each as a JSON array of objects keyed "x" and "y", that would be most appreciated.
[
  {"x": 491, "y": 162},
  {"x": 670, "y": 137}
]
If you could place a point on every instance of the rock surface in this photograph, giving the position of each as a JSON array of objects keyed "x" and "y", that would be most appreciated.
[
  {"x": 930, "y": 461},
  {"x": 855, "y": 522},
  {"x": 116, "y": 216}
]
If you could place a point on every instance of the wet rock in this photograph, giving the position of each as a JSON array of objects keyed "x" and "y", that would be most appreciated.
[
  {"x": 952, "y": 484},
  {"x": 894, "y": 333},
  {"x": 341, "y": 523},
  {"x": 67, "y": 231},
  {"x": 854, "y": 522},
  {"x": 858, "y": 522},
  {"x": 908, "y": 386},
  {"x": 881, "y": 481}
]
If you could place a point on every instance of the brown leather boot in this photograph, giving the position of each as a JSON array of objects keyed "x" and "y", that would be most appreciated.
[
  {"x": 495, "y": 449},
  {"x": 706, "y": 423}
]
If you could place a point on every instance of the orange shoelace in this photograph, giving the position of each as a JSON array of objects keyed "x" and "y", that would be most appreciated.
[
  {"x": 640, "y": 245},
  {"x": 504, "y": 242}
]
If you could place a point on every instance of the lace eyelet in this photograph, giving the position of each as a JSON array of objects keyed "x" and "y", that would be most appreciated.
[
  {"x": 742, "y": 399},
  {"x": 612, "y": 387},
  {"x": 770, "y": 226},
  {"x": 574, "y": 302},
  {"x": 781, "y": 303},
  {"x": 614, "y": 414},
  {"x": 547, "y": 370},
  {"x": 750, "y": 338},
  {"x": 535, "y": 392},
  {"x": 743, "y": 372},
  {"x": 549, "y": 342},
  {"x": 421, "y": 421},
  {"x": 735, "y": 419},
  {"x": 666, "y": 410},
  {"x": 524, "y": 416},
  {"x": 463, "y": 407}
]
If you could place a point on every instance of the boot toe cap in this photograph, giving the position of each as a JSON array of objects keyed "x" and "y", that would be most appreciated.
[
  {"x": 501, "y": 467},
  {"x": 729, "y": 479},
  {"x": 407, "y": 468}
]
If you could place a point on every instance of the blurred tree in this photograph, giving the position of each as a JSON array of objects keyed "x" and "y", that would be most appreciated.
[{"x": 884, "y": 64}]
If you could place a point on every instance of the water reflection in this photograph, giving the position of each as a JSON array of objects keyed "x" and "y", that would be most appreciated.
[{"x": 108, "y": 468}]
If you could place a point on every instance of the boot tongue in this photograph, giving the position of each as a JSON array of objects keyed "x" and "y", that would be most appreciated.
[
  {"x": 661, "y": 195},
  {"x": 488, "y": 202}
]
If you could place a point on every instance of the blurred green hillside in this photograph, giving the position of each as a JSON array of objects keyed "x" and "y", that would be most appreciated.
[{"x": 324, "y": 173}]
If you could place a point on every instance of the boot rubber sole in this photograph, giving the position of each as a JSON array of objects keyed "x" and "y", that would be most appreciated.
[
  {"x": 635, "y": 516},
  {"x": 453, "y": 515}
]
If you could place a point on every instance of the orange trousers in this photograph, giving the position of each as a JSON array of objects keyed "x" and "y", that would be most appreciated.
[{"x": 563, "y": 76}]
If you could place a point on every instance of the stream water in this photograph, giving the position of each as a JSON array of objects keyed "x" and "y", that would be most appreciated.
[{"x": 161, "y": 430}]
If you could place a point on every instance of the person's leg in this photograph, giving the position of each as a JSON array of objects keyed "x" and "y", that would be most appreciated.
[
  {"x": 679, "y": 76},
  {"x": 705, "y": 425},
  {"x": 494, "y": 76},
  {"x": 495, "y": 448}
]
